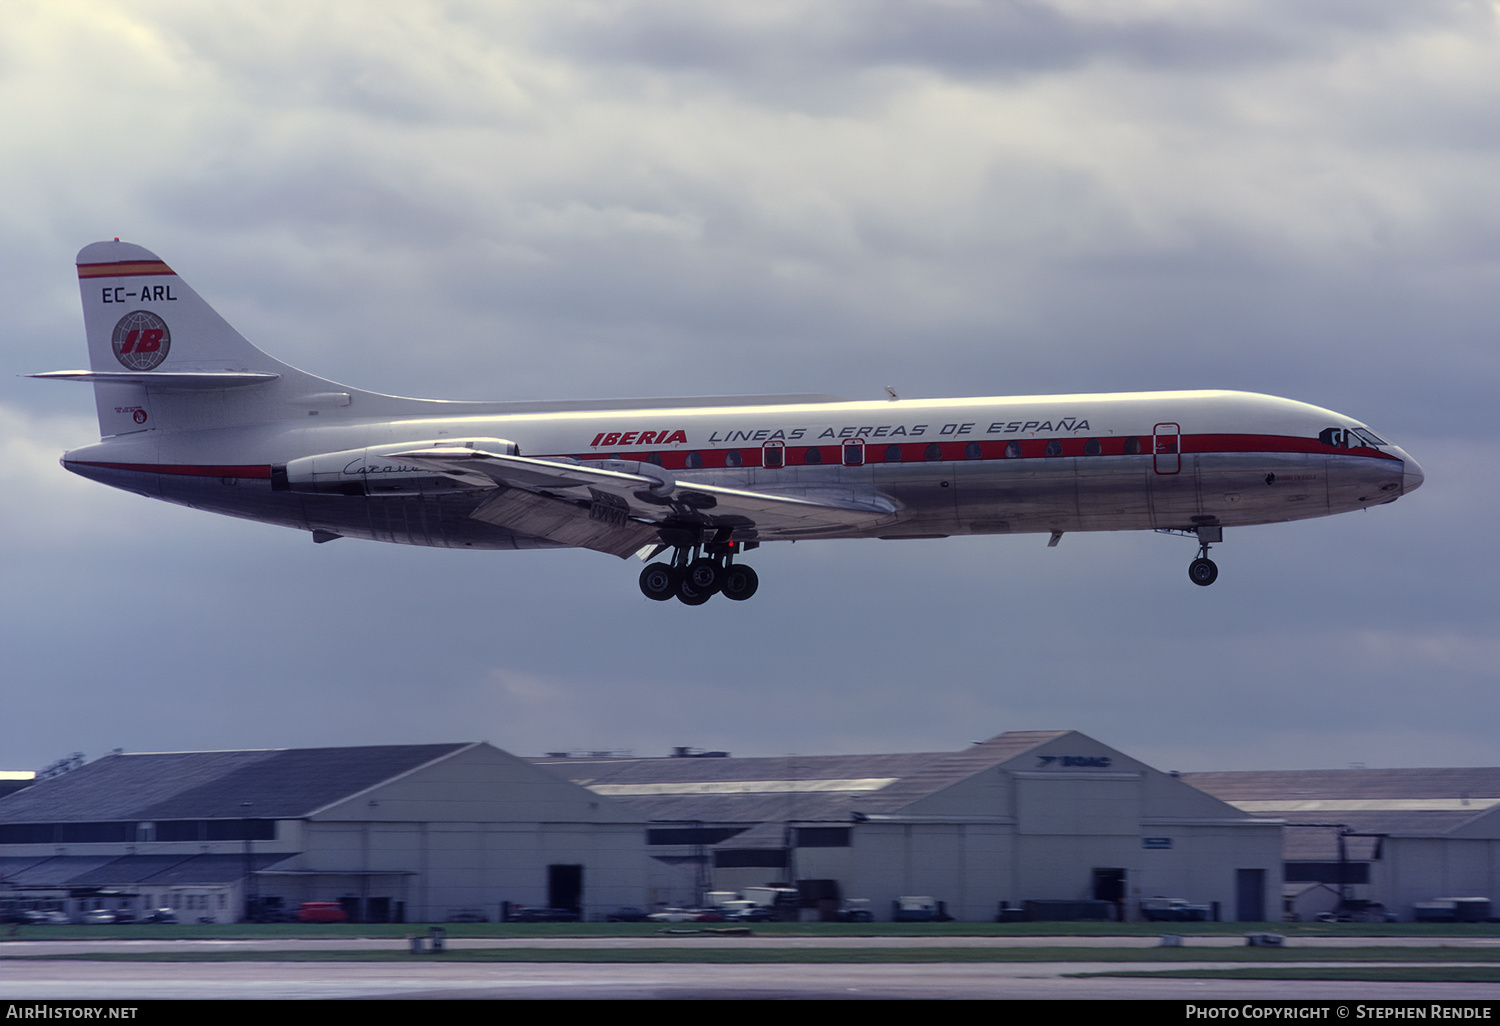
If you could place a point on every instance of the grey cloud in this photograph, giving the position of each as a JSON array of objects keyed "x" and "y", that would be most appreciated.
[{"x": 965, "y": 40}]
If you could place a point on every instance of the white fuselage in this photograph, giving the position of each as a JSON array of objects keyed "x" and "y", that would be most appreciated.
[{"x": 1131, "y": 461}]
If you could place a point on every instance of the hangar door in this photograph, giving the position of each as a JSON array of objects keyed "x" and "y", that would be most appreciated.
[
  {"x": 565, "y": 887},
  {"x": 1250, "y": 895}
]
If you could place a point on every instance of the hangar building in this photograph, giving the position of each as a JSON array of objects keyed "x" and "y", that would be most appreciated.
[
  {"x": 427, "y": 832},
  {"x": 1027, "y": 816},
  {"x": 397, "y": 833},
  {"x": 1410, "y": 840}
]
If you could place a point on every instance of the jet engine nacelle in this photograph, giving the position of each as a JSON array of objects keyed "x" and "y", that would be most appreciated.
[{"x": 373, "y": 471}]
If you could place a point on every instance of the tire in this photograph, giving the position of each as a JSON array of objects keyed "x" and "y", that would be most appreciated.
[
  {"x": 691, "y": 596},
  {"x": 1203, "y": 572},
  {"x": 659, "y": 582},
  {"x": 705, "y": 575},
  {"x": 740, "y": 582}
]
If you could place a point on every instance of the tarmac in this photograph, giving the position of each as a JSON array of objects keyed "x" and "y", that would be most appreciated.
[{"x": 60, "y": 979}]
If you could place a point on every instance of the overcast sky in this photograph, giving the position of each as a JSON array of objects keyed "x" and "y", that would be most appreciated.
[{"x": 576, "y": 199}]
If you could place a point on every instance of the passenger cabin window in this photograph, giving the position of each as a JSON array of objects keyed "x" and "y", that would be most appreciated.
[
  {"x": 1054, "y": 447},
  {"x": 814, "y": 455},
  {"x": 893, "y": 454},
  {"x": 854, "y": 454},
  {"x": 654, "y": 457},
  {"x": 1012, "y": 450},
  {"x": 1091, "y": 447},
  {"x": 773, "y": 455},
  {"x": 1132, "y": 446},
  {"x": 932, "y": 452},
  {"x": 972, "y": 451},
  {"x": 694, "y": 460},
  {"x": 734, "y": 459}
]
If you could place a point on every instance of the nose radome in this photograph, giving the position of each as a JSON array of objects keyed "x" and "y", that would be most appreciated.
[{"x": 1411, "y": 476}]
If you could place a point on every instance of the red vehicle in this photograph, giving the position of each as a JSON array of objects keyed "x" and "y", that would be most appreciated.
[{"x": 321, "y": 912}]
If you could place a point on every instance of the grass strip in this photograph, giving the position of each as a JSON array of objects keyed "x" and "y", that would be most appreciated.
[{"x": 1385, "y": 974}]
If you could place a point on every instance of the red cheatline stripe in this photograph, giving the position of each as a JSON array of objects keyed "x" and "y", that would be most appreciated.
[
  {"x": 124, "y": 269},
  {"x": 990, "y": 447},
  {"x": 186, "y": 470}
]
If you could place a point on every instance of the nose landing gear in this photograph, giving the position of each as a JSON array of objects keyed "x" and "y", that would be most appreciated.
[
  {"x": 1204, "y": 571},
  {"x": 694, "y": 577},
  {"x": 1201, "y": 571}
]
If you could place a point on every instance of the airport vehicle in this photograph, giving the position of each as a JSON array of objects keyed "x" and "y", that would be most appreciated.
[
  {"x": 321, "y": 912},
  {"x": 190, "y": 412},
  {"x": 530, "y": 914},
  {"x": 628, "y": 914},
  {"x": 1174, "y": 910}
]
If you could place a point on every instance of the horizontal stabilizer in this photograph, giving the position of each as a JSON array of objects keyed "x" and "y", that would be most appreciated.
[{"x": 171, "y": 381}]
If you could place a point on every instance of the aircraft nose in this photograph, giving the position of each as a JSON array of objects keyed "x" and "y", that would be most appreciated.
[{"x": 1411, "y": 476}]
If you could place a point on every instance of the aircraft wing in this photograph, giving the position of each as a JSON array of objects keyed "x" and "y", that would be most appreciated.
[{"x": 618, "y": 506}]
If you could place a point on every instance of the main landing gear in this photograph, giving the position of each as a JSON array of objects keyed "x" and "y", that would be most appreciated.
[{"x": 694, "y": 577}]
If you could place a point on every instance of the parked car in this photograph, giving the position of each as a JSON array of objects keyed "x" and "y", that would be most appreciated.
[
  {"x": 542, "y": 915},
  {"x": 687, "y": 915},
  {"x": 159, "y": 915},
  {"x": 98, "y": 916},
  {"x": 321, "y": 912},
  {"x": 46, "y": 917},
  {"x": 629, "y": 914},
  {"x": 1174, "y": 910},
  {"x": 674, "y": 915}
]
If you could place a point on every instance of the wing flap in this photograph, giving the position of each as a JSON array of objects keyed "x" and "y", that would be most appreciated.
[
  {"x": 601, "y": 526},
  {"x": 649, "y": 494}
]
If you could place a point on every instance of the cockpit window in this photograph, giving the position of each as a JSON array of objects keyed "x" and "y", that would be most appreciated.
[{"x": 1350, "y": 438}]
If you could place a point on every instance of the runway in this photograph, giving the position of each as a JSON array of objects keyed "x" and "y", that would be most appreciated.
[
  {"x": 63, "y": 979},
  {"x": 83, "y": 981}
]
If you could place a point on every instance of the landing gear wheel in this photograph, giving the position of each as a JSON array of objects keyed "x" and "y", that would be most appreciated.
[
  {"x": 740, "y": 582},
  {"x": 1203, "y": 572},
  {"x": 704, "y": 575},
  {"x": 691, "y": 596},
  {"x": 659, "y": 582}
]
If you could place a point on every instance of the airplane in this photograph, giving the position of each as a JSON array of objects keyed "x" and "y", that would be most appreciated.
[{"x": 191, "y": 412}]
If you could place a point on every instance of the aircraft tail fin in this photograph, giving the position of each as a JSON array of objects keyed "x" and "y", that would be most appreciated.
[
  {"x": 161, "y": 357},
  {"x": 153, "y": 342}
]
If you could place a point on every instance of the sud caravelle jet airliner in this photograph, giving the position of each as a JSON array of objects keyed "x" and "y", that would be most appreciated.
[{"x": 191, "y": 412}]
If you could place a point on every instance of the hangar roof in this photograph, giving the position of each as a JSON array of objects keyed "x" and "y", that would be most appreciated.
[
  {"x": 133, "y": 870},
  {"x": 1395, "y": 802},
  {"x": 792, "y": 787},
  {"x": 269, "y": 784},
  {"x": 1374, "y": 784}
]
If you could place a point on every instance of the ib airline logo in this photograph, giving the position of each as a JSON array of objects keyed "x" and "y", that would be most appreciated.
[{"x": 141, "y": 341}]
